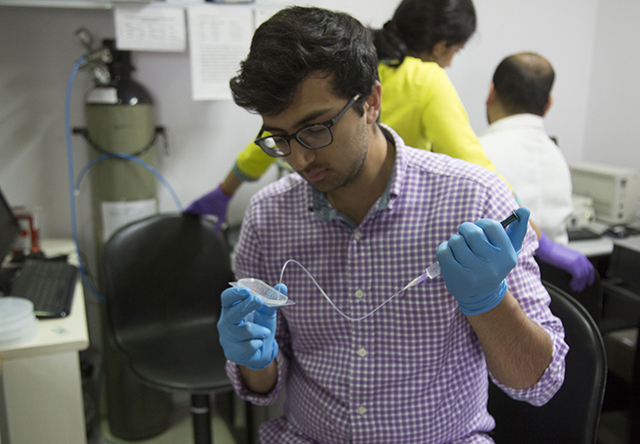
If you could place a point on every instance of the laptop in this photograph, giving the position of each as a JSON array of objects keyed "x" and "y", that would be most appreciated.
[{"x": 49, "y": 284}]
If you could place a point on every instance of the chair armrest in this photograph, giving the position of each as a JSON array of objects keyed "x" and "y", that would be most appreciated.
[{"x": 621, "y": 307}]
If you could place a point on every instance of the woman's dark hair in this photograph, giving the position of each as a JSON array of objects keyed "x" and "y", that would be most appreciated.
[
  {"x": 417, "y": 25},
  {"x": 523, "y": 82},
  {"x": 296, "y": 42}
]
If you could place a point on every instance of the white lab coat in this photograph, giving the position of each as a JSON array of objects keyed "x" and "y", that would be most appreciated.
[{"x": 535, "y": 168}]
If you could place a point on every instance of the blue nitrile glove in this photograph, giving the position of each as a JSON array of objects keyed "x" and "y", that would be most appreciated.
[
  {"x": 475, "y": 262},
  {"x": 214, "y": 203},
  {"x": 248, "y": 343},
  {"x": 571, "y": 261}
]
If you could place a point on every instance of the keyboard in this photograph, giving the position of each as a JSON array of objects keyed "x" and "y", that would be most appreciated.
[
  {"x": 48, "y": 284},
  {"x": 576, "y": 234}
]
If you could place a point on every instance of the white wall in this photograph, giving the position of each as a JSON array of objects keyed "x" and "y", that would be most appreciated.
[
  {"x": 37, "y": 53},
  {"x": 561, "y": 31},
  {"x": 38, "y": 49},
  {"x": 614, "y": 96}
]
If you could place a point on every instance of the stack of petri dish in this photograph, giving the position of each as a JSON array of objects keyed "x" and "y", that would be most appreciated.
[{"x": 18, "y": 323}]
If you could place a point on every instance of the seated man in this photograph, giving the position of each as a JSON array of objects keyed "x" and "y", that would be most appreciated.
[
  {"x": 366, "y": 214},
  {"x": 530, "y": 161}
]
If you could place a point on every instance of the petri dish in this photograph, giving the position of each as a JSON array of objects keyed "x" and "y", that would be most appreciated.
[
  {"x": 14, "y": 308},
  {"x": 17, "y": 320},
  {"x": 270, "y": 296}
]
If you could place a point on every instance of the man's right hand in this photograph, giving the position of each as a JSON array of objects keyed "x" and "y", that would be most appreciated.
[
  {"x": 214, "y": 203},
  {"x": 248, "y": 343}
]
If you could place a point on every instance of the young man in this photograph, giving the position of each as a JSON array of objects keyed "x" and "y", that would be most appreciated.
[
  {"x": 521, "y": 150},
  {"x": 365, "y": 215}
]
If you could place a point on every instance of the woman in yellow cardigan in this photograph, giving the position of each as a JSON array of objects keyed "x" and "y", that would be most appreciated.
[{"x": 419, "y": 101}]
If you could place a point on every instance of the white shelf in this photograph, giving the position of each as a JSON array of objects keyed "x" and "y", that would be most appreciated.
[
  {"x": 81, "y": 4},
  {"x": 107, "y": 4}
]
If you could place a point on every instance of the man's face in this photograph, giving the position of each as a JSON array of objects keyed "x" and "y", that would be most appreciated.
[{"x": 333, "y": 166}]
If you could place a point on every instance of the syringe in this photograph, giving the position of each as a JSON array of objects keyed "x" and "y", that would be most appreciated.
[{"x": 433, "y": 270}]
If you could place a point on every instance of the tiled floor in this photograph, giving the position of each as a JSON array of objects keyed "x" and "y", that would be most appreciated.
[
  {"x": 179, "y": 433},
  {"x": 180, "y": 430}
]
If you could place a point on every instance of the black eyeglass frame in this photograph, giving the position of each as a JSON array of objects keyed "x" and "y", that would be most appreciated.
[{"x": 328, "y": 124}]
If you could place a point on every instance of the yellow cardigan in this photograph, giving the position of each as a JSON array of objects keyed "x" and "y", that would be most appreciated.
[{"x": 420, "y": 103}]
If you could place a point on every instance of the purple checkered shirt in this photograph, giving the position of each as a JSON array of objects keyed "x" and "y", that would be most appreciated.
[{"x": 414, "y": 371}]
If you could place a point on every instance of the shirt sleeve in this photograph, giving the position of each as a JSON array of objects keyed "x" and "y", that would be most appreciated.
[
  {"x": 259, "y": 398},
  {"x": 248, "y": 263},
  {"x": 525, "y": 285},
  {"x": 252, "y": 163}
]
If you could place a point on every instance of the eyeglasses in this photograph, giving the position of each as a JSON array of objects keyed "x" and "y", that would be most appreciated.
[{"x": 312, "y": 137}]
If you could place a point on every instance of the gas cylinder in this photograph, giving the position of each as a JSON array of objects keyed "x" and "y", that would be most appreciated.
[{"x": 120, "y": 118}]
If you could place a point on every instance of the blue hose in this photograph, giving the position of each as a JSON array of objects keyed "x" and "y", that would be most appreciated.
[{"x": 75, "y": 185}]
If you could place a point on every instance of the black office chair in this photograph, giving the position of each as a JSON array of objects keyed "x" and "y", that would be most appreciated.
[
  {"x": 573, "y": 414},
  {"x": 634, "y": 411},
  {"x": 619, "y": 327},
  {"x": 163, "y": 279}
]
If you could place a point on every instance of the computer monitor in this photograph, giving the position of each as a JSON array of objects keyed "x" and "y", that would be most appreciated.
[{"x": 9, "y": 228}]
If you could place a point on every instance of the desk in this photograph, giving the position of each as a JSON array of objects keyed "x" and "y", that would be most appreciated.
[
  {"x": 40, "y": 383},
  {"x": 602, "y": 246}
]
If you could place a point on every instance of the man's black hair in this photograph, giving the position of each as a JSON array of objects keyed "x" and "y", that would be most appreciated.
[
  {"x": 297, "y": 42},
  {"x": 523, "y": 82},
  {"x": 418, "y": 25}
]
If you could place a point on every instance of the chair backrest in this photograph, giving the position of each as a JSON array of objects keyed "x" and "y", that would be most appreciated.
[
  {"x": 622, "y": 288},
  {"x": 624, "y": 263},
  {"x": 163, "y": 273},
  {"x": 591, "y": 297},
  {"x": 572, "y": 415}
]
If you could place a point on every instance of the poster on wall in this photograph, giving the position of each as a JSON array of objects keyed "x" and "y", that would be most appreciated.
[
  {"x": 150, "y": 28},
  {"x": 219, "y": 39}
]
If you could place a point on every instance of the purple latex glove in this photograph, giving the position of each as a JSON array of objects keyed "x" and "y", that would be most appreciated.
[
  {"x": 571, "y": 261},
  {"x": 214, "y": 203}
]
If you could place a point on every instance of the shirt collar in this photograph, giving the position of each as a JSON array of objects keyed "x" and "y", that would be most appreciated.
[
  {"x": 516, "y": 121},
  {"x": 326, "y": 213}
]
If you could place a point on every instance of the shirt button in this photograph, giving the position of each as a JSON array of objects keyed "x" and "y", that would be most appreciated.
[
  {"x": 362, "y": 352},
  {"x": 361, "y": 410},
  {"x": 359, "y": 294},
  {"x": 358, "y": 235}
]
